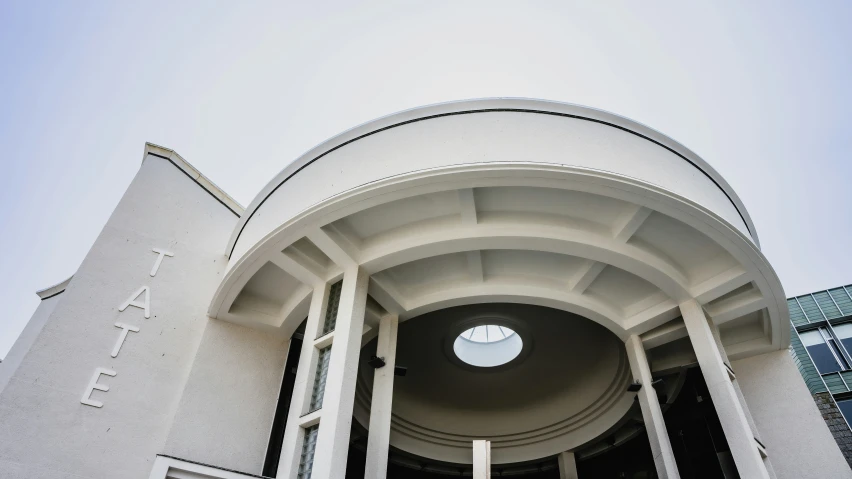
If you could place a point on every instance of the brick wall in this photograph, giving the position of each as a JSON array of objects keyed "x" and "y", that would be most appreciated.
[{"x": 836, "y": 424}]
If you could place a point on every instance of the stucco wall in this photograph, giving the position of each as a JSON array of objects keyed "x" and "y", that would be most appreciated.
[
  {"x": 45, "y": 431},
  {"x": 26, "y": 339},
  {"x": 226, "y": 410},
  {"x": 493, "y": 137},
  {"x": 797, "y": 440}
]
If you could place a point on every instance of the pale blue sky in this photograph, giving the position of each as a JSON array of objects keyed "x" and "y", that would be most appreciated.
[{"x": 761, "y": 90}]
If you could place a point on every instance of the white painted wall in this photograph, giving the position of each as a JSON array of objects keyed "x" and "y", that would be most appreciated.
[
  {"x": 45, "y": 431},
  {"x": 447, "y": 141},
  {"x": 797, "y": 440},
  {"x": 225, "y": 414},
  {"x": 26, "y": 339}
]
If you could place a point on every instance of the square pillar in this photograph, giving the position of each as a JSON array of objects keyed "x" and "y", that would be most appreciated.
[
  {"x": 655, "y": 425},
  {"x": 335, "y": 419},
  {"x": 316, "y": 439},
  {"x": 378, "y": 440},
  {"x": 481, "y": 459},
  {"x": 724, "y": 355},
  {"x": 719, "y": 378},
  {"x": 294, "y": 433},
  {"x": 567, "y": 465}
]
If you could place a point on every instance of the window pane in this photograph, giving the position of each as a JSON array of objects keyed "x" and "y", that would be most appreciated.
[
  {"x": 319, "y": 380},
  {"x": 306, "y": 460},
  {"x": 844, "y": 332},
  {"x": 846, "y": 408},
  {"x": 837, "y": 354},
  {"x": 822, "y": 356},
  {"x": 333, "y": 305}
]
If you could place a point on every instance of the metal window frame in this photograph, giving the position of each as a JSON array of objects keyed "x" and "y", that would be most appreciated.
[
  {"x": 839, "y": 345},
  {"x": 841, "y": 411},
  {"x": 822, "y": 333},
  {"x": 818, "y": 306},
  {"x": 827, "y": 390},
  {"x": 841, "y": 360},
  {"x": 318, "y": 385},
  {"x": 843, "y": 381},
  {"x": 304, "y": 453},
  {"x": 812, "y": 361},
  {"x": 804, "y": 313},
  {"x": 835, "y": 303},
  {"x": 329, "y": 322}
]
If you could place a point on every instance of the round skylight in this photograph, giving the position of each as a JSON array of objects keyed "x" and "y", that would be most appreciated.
[
  {"x": 487, "y": 333},
  {"x": 488, "y": 345}
]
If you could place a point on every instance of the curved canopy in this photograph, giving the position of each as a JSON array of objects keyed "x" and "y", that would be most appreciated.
[{"x": 510, "y": 201}]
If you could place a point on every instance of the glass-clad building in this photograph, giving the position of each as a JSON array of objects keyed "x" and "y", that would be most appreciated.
[{"x": 822, "y": 347}]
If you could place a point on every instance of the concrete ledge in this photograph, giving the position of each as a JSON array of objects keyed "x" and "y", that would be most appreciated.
[
  {"x": 168, "y": 467},
  {"x": 192, "y": 172},
  {"x": 52, "y": 291}
]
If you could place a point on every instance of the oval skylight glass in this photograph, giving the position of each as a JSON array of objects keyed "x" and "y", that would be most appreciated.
[{"x": 488, "y": 345}]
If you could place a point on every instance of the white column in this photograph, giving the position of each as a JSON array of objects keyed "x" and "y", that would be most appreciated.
[
  {"x": 335, "y": 419},
  {"x": 567, "y": 466},
  {"x": 378, "y": 440},
  {"x": 743, "y": 403},
  {"x": 655, "y": 425},
  {"x": 738, "y": 433},
  {"x": 481, "y": 459},
  {"x": 724, "y": 355},
  {"x": 291, "y": 449}
]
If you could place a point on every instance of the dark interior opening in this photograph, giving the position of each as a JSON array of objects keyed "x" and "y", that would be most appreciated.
[
  {"x": 279, "y": 421},
  {"x": 698, "y": 442}
]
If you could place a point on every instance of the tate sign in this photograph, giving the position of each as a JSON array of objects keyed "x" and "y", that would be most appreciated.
[{"x": 143, "y": 304}]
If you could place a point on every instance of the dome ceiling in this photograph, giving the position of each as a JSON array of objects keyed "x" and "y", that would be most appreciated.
[{"x": 567, "y": 388}]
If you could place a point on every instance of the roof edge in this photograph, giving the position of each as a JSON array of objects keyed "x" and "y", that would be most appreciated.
[
  {"x": 192, "y": 172},
  {"x": 490, "y": 104},
  {"x": 52, "y": 291}
]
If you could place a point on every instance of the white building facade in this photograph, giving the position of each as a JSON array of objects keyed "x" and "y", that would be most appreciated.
[{"x": 498, "y": 287}]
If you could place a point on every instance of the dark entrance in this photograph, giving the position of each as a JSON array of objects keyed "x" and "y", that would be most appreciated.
[{"x": 699, "y": 445}]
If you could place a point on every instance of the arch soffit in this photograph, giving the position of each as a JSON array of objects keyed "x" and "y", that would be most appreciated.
[{"x": 594, "y": 246}]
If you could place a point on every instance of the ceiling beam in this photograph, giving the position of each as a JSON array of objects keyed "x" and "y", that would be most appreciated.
[
  {"x": 643, "y": 304},
  {"x": 664, "y": 334},
  {"x": 440, "y": 239},
  {"x": 297, "y": 268},
  {"x": 335, "y": 245},
  {"x": 520, "y": 292},
  {"x": 467, "y": 206},
  {"x": 294, "y": 311},
  {"x": 311, "y": 260},
  {"x": 652, "y": 317},
  {"x": 736, "y": 306},
  {"x": 386, "y": 294},
  {"x": 585, "y": 275},
  {"x": 373, "y": 313},
  {"x": 474, "y": 266},
  {"x": 720, "y": 285},
  {"x": 629, "y": 222}
]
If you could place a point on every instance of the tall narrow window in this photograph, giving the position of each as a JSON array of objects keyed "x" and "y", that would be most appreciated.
[
  {"x": 319, "y": 380},
  {"x": 845, "y": 406},
  {"x": 285, "y": 395},
  {"x": 331, "y": 311},
  {"x": 824, "y": 351},
  {"x": 306, "y": 460},
  {"x": 844, "y": 334}
]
